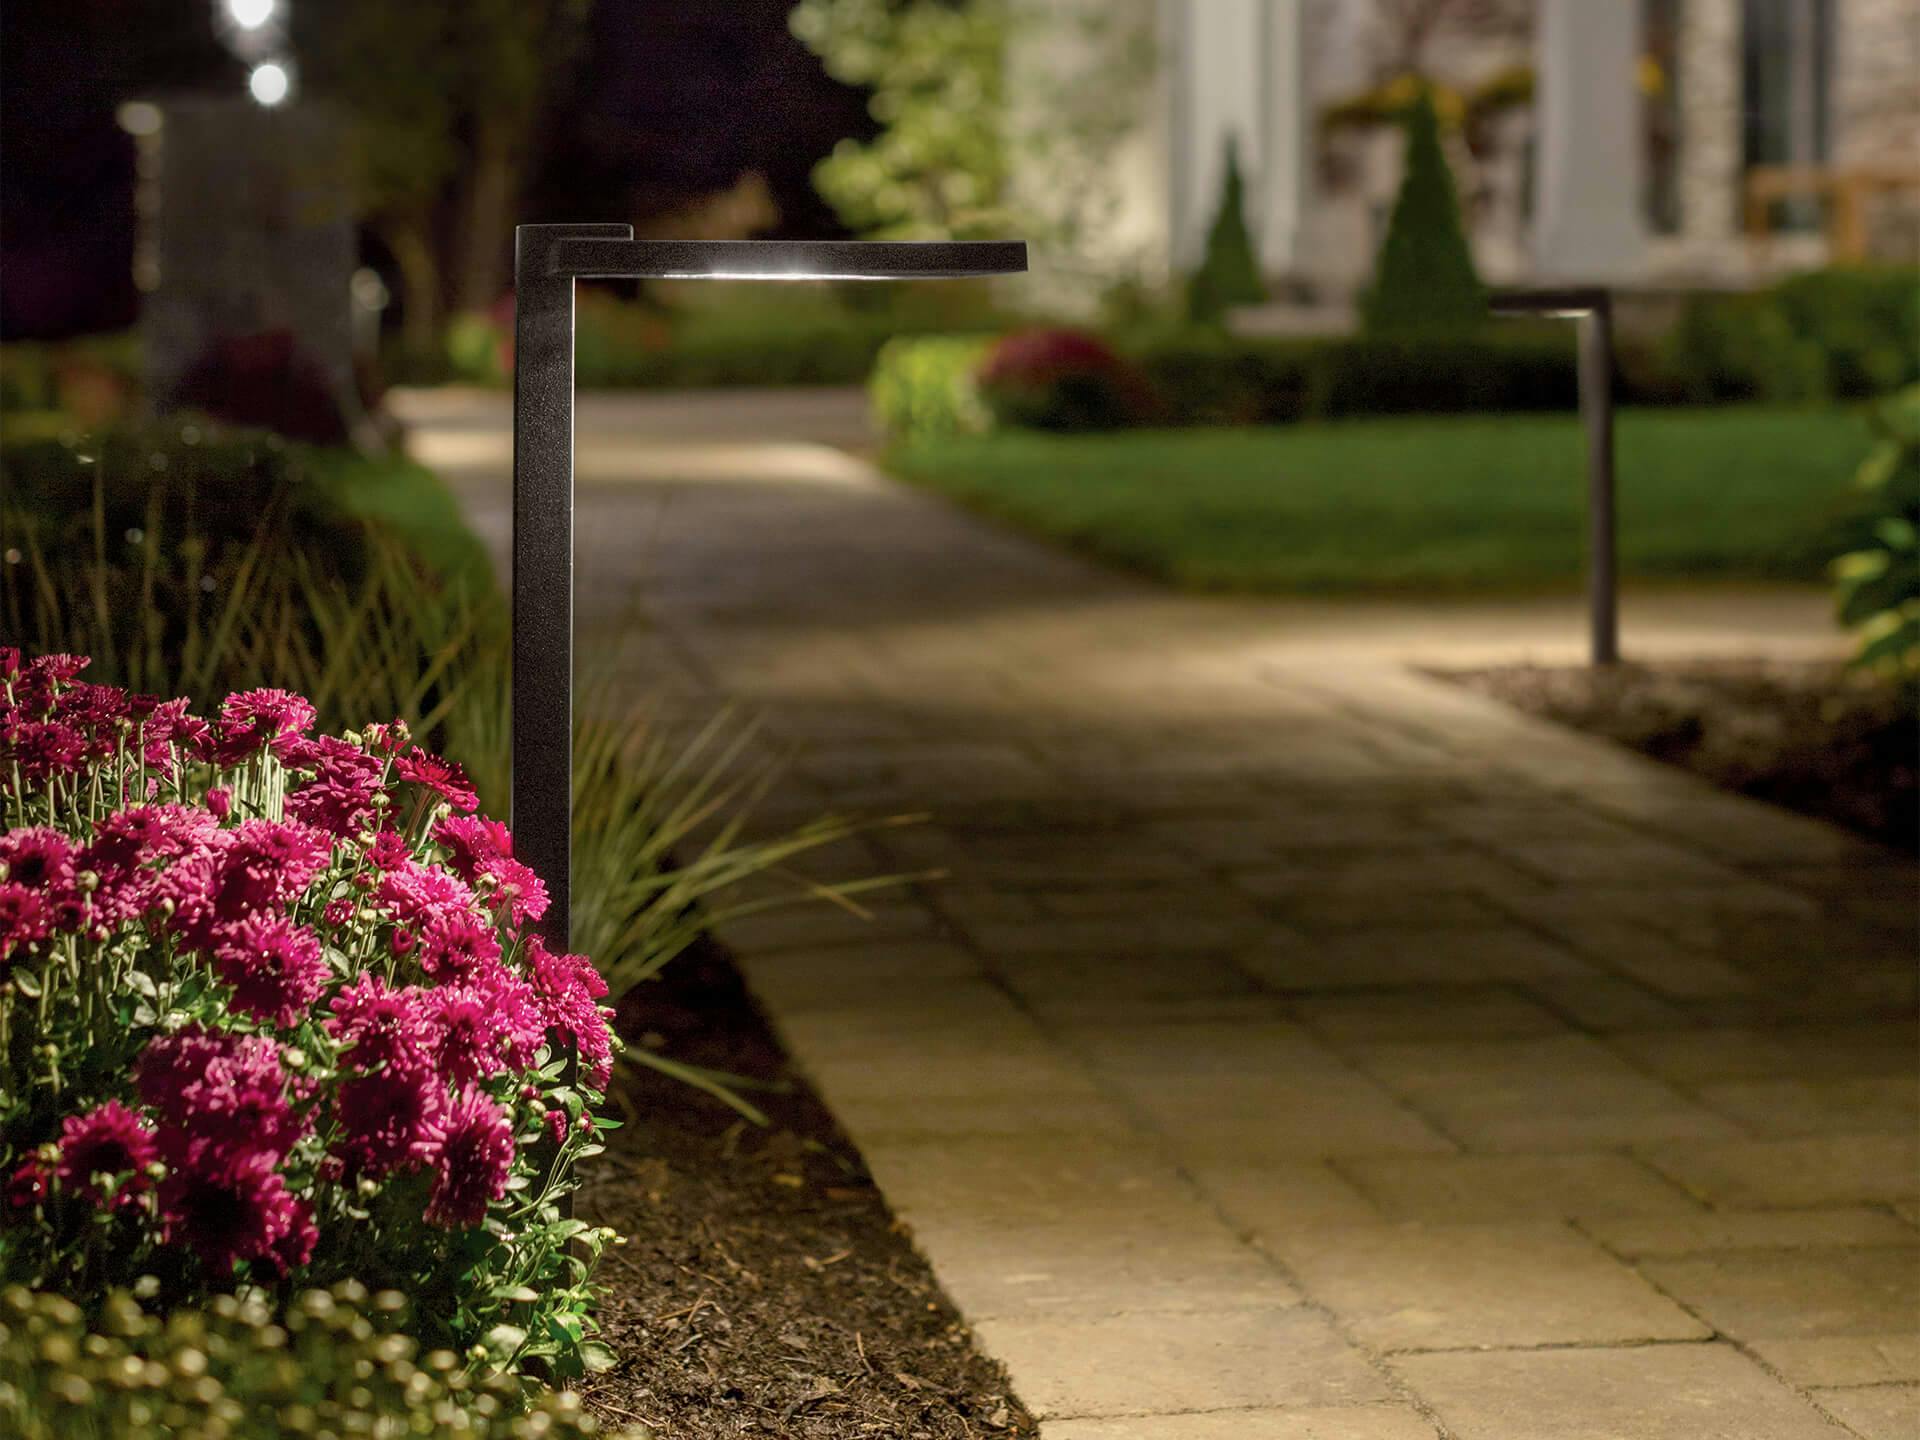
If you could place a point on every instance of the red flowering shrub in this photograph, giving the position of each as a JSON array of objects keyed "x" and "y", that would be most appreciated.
[
  {"x": 271, "y": 1015},
  {"x": 1054, "y": 379}
]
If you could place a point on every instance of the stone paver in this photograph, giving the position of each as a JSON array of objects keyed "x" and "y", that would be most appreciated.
[
  {"x": 1656, "y": 1392},
  {"x": 1442, "y": 1287},
  {"x": 1360, "y": 1422},
  {"x": 1706, "y": 1232},
  {"x": 1844, "y": 1359},
  {"x": 1513, "y": 1187},
  {"x": 1281, "y": 1011},
  {"x": 1876, "y": 1412},
  {"x": 1145, "y": 1363},
  {"x": 1766, "y": 1294}
]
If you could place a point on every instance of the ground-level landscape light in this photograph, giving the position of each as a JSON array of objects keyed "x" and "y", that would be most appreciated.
[
  {"x": 1592, "y": 308},
  {"x": 548, "y": 259}
]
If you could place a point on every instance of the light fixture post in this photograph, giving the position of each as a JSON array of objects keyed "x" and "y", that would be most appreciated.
[
  {"x": 1591, "y": 307},
  {"x": 548, "y": 259}
]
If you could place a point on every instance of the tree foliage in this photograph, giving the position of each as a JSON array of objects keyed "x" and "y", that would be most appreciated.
[
  {"x": 1229, "y": 273},
  {"x": 443, "y": 99},
  {"x": 938, "y": 169},
  {"x": 1424, "y": 279}
]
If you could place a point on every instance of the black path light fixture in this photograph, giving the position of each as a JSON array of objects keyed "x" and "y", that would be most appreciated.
[
  {"x": 548, "y": 259},
  {"x": 1592, "y": 308}
]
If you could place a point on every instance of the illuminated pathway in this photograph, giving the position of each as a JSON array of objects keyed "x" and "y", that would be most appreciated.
[{"x": 1298, "y": 1047}]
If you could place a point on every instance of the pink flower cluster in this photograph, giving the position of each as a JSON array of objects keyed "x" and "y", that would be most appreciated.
[{"x": 380, "y": 1009}]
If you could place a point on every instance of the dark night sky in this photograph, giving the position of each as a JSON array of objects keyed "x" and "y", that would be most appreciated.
[{"x": 675, "y": 99}]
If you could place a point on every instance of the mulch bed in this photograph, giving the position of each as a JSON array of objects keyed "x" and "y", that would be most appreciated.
[
  {"x": 1815, "y": 738},
  {"x": 764, "y": 1289}
]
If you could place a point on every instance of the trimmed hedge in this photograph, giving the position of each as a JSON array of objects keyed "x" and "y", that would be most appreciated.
[
  {"x": 928, "y": 386},
  {"x": 807, "y": 335},
  {"x": 1839, "y": 334},
  {"x": 923, "y": 386}
]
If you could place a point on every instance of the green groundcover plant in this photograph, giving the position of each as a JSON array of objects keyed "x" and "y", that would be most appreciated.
[
  {"x": 333, "y": 1362},
  {"x": 1878, "y": 584},
  {"x": 273, "y": 1016}
]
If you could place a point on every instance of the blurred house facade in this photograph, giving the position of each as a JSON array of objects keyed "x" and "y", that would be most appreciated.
[{"x": 1641, "y": 142}]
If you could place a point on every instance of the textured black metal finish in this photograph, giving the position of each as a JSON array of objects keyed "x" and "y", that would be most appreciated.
[
  {"x": 1592, "y": 307},
  {"x": 547, "y": 260},
  {"x": 542, "y": 807},
  {"x": 786, "y": 259}
]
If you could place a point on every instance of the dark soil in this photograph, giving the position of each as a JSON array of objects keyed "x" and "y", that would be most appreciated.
[
  {"x": 764, "y": 1289},
  {"x": 1812, "y": 737}
]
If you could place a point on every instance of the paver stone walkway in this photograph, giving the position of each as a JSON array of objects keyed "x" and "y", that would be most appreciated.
[{"x": 1296, "y": 1046}]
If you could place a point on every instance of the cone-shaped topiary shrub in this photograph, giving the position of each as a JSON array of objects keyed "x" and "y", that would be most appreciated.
[
  {"x": 1229, "y": 275},
  {"x": 1424, "y": 280}
]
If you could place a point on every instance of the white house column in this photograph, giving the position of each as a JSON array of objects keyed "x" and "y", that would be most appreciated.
[
  {"x": 1286, "y": 178},
  {"x": 1221, "y": 60},
  {"x": 1591, "y": 144}
]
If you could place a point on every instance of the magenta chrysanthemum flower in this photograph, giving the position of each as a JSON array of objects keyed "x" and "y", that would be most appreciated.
[
  {"x": 480, "y": 847},
  {"x": 471, "y": 841},
  {"x": 568, "y": 989},
  {"x": 386, "y": 1120},
  {"x": 442, "y": 776},
  {"x": 109, "y": 1139},
  {"x": 221, "y": 1096},
  {"x": 169, "y": 725},
  {"x": 472, "y": 1153},
  {"x": 229, "y": 1211},
  {"x": 454, "y": 942},
  {"x": 27, "y": 1186},
  {"x": 276, "y": 968},
  {"x": 25, "y": 918},
  {"x": 378, "y": 1026},
  {"x": 43, "y": 749},
  {"x": 338, "y": 807},
  {"x": 256, "y": 719},
  {"x": 38, "y": 857},
  {"x": 486, "y": 1023},
  {"x": 388, "y": 851},
  {"x": 268, "y": 863}
]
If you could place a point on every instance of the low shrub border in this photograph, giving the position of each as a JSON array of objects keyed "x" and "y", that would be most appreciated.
[
  {"x": 1828, "y": 335},
  {"x": 930, "y": 386}
]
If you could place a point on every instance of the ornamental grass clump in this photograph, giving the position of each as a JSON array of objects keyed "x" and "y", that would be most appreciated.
[{"x": 272, "y": 1016}]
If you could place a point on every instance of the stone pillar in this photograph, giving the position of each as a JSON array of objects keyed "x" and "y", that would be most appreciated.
[
  {"x": 1712, "y": 163},
  {"x": 1286, "y": 184},
  {"x": 1591, "y": 144},
  {"x": 1220, "y": 82}
]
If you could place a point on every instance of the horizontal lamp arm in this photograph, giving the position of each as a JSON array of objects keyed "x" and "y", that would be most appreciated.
[
  {"x": 609, "y": 259},
  {"x": 1568, "y": 302}
]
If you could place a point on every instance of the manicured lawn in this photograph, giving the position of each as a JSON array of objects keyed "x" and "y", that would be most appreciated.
[{"x": 1422, "y": 504}]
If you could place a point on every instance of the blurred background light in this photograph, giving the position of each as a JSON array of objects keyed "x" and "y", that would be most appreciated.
[
  {"x": 269, "y": 83},
  {"x": 250, "y": 14}
]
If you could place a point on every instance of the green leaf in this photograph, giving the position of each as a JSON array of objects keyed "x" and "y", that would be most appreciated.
[{"x": 505, "y": 1340}]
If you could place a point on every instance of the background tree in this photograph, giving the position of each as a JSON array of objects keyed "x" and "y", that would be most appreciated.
[
  {"x": 943, "y": 165},
  {"x": 443, "y": 99},
  {"x": 938, "y": 169},
  {"x": 1424, "y": 279},
  {"x": 1229, "y": 273}
]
